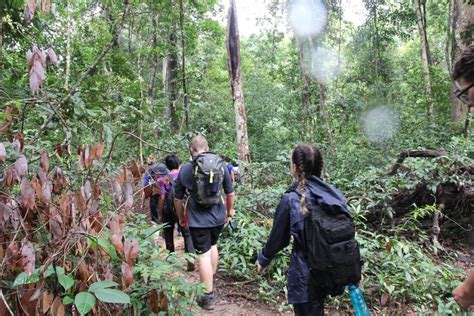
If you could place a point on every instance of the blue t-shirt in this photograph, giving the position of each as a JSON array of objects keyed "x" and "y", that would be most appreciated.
[
  {"x": 230, "y": 167},
  {"x": 199, "y": 216}
]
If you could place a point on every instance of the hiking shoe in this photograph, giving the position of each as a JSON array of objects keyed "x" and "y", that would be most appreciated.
[{"x": 206, "y": 301}]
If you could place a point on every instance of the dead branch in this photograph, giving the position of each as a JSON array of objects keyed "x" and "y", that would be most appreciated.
[{"x": 414, "y": 154}]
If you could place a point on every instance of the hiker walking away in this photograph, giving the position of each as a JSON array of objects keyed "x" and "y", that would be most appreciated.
[
  {"x": 307, "y": 209},
  {"x": 154, "y": 183},
  {"x": 210, "y": 203},
  {"x": 463, "y": 76},
  {"x": 170, "y": 216}
]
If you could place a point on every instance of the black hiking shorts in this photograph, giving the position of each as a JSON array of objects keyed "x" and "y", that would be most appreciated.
[{"x": 204, "y": 238}]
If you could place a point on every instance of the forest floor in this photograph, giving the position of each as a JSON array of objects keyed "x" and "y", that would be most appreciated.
[{"x": 232, "y": 296}]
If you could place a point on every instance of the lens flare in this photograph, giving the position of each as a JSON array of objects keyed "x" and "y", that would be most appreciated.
[
  {"x": 324, "y": 64},
  {"x": 307, "y": 17},
  {"x": 380, "y": 124}
]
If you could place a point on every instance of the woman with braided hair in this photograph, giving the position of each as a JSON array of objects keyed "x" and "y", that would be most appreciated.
[{"x": 306, "y": 168}]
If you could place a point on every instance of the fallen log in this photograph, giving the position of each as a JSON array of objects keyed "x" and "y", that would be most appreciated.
[{"x": 415, "y": 154}]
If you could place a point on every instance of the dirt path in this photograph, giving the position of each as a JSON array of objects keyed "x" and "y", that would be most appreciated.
[{"x": 229, "y": 302}]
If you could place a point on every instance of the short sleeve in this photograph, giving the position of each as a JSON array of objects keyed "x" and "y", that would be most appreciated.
[{"x": 228, "y": 185}]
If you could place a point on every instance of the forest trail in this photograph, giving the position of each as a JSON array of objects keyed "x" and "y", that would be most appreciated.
[{"x": 229, "y": 300}]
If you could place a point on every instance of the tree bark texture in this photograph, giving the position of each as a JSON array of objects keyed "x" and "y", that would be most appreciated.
[
  {"x": 425, "y": 51},
  {"x": 462, "y": 34},
  {"x": 325, "y": 116},
  {"x": 183, "y": 65},
  {"x": 233, "y": 63},
  {"x": 306, "y": 98},
  {"x": 154, "y": 58},
  {"x": 170, "y": 78}
]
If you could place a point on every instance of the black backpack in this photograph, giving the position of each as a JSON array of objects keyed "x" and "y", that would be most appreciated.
[
  {"x": 332, "y": 252},
  {"x": 209, "y": 170}
]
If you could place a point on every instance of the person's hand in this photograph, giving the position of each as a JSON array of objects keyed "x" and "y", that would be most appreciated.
[
  {"x": 260, "y": 269},
  {"x": 464, "y": 299},
  {"x": 362, "y": 280},
  {"x": 231, "y": 213},
  {"x": 182, "y": 223}
]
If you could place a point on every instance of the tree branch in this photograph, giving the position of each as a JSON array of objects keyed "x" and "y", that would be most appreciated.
[{"x": 414, "y": 153}]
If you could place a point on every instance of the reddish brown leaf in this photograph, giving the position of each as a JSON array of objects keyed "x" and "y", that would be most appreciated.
[
  {"x": 56, "y": 224},
  {"x": 128, "y": 193},
  {"x": 154, "y": 304},
  {"x": 46, "y": 301},
  {"x": 2, "y": 254},
  {"x": 9, "y": 177},
  {"x": 20, "y": 168},
  {"x": 116, "y": 240},
  {"x": 163, "y": 301},
  {"x": 108, "y": 275},
  {"x": 28, "y": 257},
  {"x": 3, "y": 153},
  {"x": 44, "y": 162},
  {"x": 27, "y": 194},
  {"x": 4, "y": 213},
  {"x": 85, "y": 156},
  {"x": 130, "y": 251},
  {"x": 29, "y": 306},
  {"x": 97, "y": 191},
  {"x": 59, "y": 180},
  {"x": 57, "y": 308},
  {"x": 38, "y": 189},
  {"x": 80, "y": 202},
  {"x": 117, "y": 189},
  {"x": 21, "y": 140},
  {"x": 100, "y": 150},
  {"x": 47, "y": 188},
  {"x": 14, "y": 216},
  {"x": 135, "y": 170},
  {"x": 384, "y": 299},
  {"x": 51, "y": 56},
  {"x": 30, "y": 10},
  {"x": 127, "y": 275}
]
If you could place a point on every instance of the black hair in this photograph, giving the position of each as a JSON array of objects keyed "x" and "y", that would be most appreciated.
[
  {"x": 172, "y": 162},
  {"x": 309, "y": 162}
]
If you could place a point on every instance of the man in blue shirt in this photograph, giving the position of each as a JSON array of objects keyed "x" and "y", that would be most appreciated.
[{"x": 205, "y": 223}]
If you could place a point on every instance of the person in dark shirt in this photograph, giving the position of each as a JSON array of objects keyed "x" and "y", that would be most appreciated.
[
  {"x": 205, "y": 224},
  {"x": 306, "y": 167}
]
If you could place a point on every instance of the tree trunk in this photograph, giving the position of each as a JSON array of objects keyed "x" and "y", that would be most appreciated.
[
  {"x": 233, "y": 63},
  {"x": 425, "y": 51},
  {"x": 68, "y": 45},
  {"x": 183, "y": 65},
  {"x": 170, "y": 77},
  {"x": 154, "y": 58},
  {"x": 306, "y": 98},
  {"x": 325, "y": 116},
  {"x": 461, "y": 36}
]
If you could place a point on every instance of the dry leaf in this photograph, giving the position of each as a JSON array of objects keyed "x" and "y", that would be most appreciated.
[
  {"x": 20, "y": 168},
  {"x": 80, "y": 202},
  {"x": 135, "y": 171},
  {"x": 100, "y": 150},
  {"x": 130, "y": 251},
  {"x": 30, "y": 10},
  {"x": 163, "y": 302},
  {"x": 59, "y": 180},
  {"x": 108, "y": 275},
  {"x": 154, "y": 304},
  {"x": 9, "y": 177},
  {"x": 384, "y": 299},
  {"x": 52, "y": 57},
  {"x": 44, "y": 162},
  {"x": 21, "y": 140},
  {"x": 57, "y": 308},
  {"x": 46, "y": 301},
  {"x": 47, "y": 188},
  {"x": 27, "y": 194},
  {"x": 127, "y": 275},
  {"x": 29, "y": 307},
  {"x": 3, "y": 153},
  {"x": 117, "y": 189},
  {"x": 116, "y": 240},
  {"x": 28, "y": 257},
  {"x": 128, "y": 193}
]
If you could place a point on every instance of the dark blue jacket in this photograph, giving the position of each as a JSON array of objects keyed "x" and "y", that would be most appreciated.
[{"x": 288, "y": 222}]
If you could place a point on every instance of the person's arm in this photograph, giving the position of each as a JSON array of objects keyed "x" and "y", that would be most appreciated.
[
  {"x": 229, "y": 193},
  {"x": 279, "y": 237}
]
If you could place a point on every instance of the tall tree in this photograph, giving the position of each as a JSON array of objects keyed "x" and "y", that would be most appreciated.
[
  {"x": 425, "y": 51},
  {"x": 183, "y": 64},
  {"x": 233, "y": 63},
  {"x": 461, "y": 35},
  {"x": 170, "y": 76}
]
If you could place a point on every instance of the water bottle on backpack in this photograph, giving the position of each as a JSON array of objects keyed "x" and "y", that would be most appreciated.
[{"x": 358, "y": 301}]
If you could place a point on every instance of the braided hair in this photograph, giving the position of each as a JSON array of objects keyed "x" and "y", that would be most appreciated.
[{"x": 309, "y": 162}]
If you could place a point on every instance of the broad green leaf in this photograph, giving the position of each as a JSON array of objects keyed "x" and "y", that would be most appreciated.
[
  {"x": 23, "y": 278},
  {"x": 84, "y": 302},
  {"x": 101, "y": 285},
  {"x": 105, "y": 244},
  {"x": 49, "y": 271},
  {"x": 60, "y": 271},
  {"x": 67, "y": 300},
  {"x": 112, "y": 296},
  {"x": 66, "y": 281}
]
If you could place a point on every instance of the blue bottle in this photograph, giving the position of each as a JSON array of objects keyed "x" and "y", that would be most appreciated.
[{"x": 358, "y": 302}]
